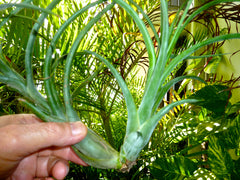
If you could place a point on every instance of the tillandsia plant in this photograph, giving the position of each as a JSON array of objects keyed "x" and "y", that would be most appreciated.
[{"x": 143, "y": 119}]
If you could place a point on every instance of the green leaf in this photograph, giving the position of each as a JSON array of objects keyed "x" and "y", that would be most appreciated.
[
  {"x": 14, "y": 12},
  {"x": 219, "y": 159},
  {"x": 230, "y": 138},
  {"x": 236, "y": 170},
  {"x": 213, "y": 97},
  {"x": 174, "y": 167}
]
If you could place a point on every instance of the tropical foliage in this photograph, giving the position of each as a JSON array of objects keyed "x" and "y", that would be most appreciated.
[{"x": 106, "y": 46}]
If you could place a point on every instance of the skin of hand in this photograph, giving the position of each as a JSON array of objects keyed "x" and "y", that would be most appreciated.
[{"x": 32, "y": 149}]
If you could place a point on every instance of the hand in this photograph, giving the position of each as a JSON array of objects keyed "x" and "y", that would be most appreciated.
[{"x": 32, "y": 149}]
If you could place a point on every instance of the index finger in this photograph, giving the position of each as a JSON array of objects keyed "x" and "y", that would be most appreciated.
[{"x": 18, "y": 119}]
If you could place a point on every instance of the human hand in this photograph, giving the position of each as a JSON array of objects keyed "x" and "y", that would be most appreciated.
[{"x": 31, "y": 149}]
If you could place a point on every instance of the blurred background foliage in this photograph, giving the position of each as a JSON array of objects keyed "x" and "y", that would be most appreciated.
[{"x": 192, "y": 141}]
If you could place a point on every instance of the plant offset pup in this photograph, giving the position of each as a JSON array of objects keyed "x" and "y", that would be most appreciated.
[{"x": 142, "y": 120}]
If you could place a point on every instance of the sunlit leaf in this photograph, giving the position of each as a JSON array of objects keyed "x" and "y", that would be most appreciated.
[
  {"x": 174, "y": 167},
  {"x": 213, "y": 65},
  {"x": 202, "y": 173}
]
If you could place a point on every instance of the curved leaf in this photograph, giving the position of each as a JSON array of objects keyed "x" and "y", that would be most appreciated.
[
  {"x": 133, "y": 122},
  {"x": 163, "y": 90},
  {"x": 68, "y": 66},
  {"x": 24, "y": 5}
]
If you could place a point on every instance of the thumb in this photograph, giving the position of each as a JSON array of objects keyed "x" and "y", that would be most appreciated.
[{"x": 29, "y": 138}]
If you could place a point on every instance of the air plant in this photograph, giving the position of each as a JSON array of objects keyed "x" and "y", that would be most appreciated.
[{"x": 142, "y": 120}]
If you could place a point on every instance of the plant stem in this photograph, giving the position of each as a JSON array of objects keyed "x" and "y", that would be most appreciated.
[
  {"x": 147, "y": 103},
  {"x": 145, "y": 34},
  {"x": 53, "y": 99},
  {"x": 71, "y": 114},
  {"x": 28, "y": 57}
]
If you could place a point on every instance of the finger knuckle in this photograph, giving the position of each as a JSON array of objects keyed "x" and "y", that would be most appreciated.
[
  {"x": 10, "y": 136},
  {"x": 54, "y": 128}
]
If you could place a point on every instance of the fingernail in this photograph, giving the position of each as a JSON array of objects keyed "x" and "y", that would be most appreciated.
[
  {"x": 78, "y": 128},
  {"x": 67, "y": 170}
]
